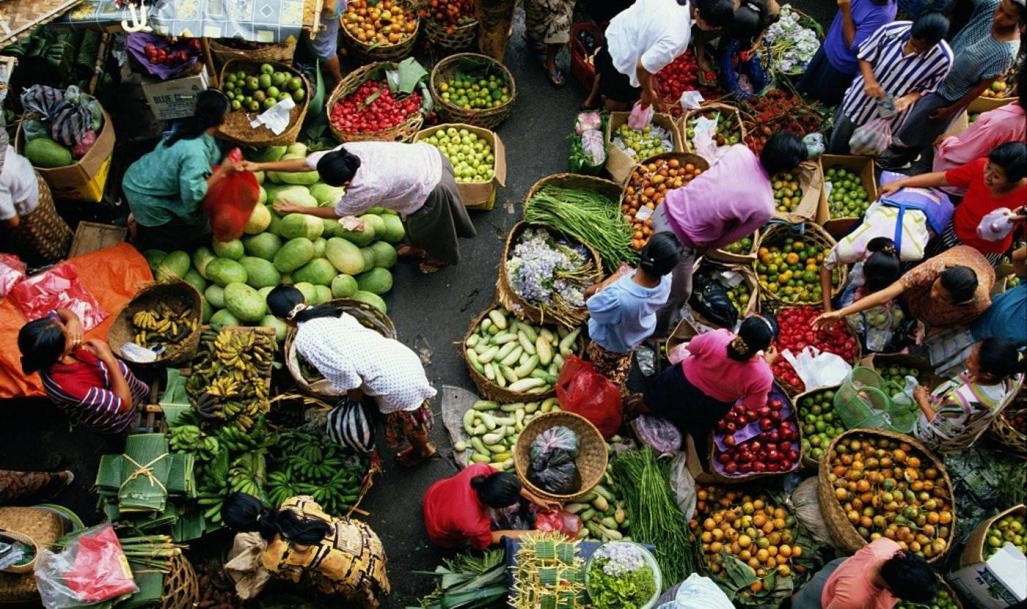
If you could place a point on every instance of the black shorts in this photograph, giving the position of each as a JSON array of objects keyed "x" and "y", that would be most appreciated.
[{"x": 612, "y": 83}]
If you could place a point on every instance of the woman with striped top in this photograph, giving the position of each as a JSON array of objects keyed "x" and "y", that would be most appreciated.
[
  {"x": 958, "y": 411},
  {"x": 82, "y": 378},
  {"x": 900, "y": 62}
]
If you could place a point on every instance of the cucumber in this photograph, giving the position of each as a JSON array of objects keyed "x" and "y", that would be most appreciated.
[
  {"x": 512, "y": 357},
  {"x": 529, "y": 332},
  {"x": 492, "y": 438},
  {"x": 490, "y": 372},
  {"x": 529, "y": 346},
  {"x": 485, "y": 325},
  {"x": 524, "y": 369},
  {"x": 544, "y": 350},
  {"x": 460, "y": 446},
  {"x": 605, "y": 492},
  {"x": 504, "y": 338},
  {"x": 485, "y": 405},
  {"x": 469, "y": 422},
  {"x": 479, "y": 446},
  {"x": 509, "y": 373},
  {"x": 514, "y": 408},
  {"x": 505, "y": 350},
  {"x": 489, "y": 355},
  {"x": 489, "y": 421},
  {"x": 567, "y": 343},
  {"x": 472, "y": 359},
  {"x": 498, "y": 318},
  {"x": 472, "y": 340},
  {"x": 531, "y": 407},
  {"x": 480, "y": 458},
  {"x": 527, "y": 385}
]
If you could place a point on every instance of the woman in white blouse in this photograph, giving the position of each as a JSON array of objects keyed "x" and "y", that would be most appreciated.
[{"x": 360, "y": 361}]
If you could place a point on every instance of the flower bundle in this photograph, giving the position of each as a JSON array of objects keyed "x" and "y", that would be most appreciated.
[
  {"x": 792, "y": 44},
  {"x": 550, "y": 273}
]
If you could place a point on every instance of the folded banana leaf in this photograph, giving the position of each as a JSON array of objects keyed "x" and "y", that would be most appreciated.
[
  {"x": 181, "y": 477},
  {"x": 151, "y": 587},
  {"x": 144, "y": 474}
]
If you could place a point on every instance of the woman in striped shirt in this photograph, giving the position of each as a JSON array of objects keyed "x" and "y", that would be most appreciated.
[
  {"x": 82, "y": 378},
  {"x": 958, "y": 411},
  {"x": 900, "y": 62}
]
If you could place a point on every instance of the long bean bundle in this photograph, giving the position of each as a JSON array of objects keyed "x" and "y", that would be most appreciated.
[
  {"x": 654, "y": 515},
  {"x": 587, "y": 216}
]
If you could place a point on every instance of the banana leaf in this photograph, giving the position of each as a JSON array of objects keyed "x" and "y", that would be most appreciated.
[
  {"x": 145, "y": 474},
  {"x": 181, "y": 478},
  {"x": 151, "y": 587}
]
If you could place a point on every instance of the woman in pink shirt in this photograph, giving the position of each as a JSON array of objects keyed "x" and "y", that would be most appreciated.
[
  {"x": 720, "y": 369},
  {"x": 992, "y": 129},
  {"x": 876, "y": 577}
]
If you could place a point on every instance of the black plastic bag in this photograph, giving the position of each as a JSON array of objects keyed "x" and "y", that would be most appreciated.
[
  {"x": 555, "y": 471},
  {"x": 709, "y": 299}
]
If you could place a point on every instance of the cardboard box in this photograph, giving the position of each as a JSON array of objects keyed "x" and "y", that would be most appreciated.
[
  {"x": 86, "y": 179},
  {"x": 999, "y": 582},
  {"x": 861, "y": 166},
  {"x": 478, "y": 195},
  {"x": 813, "y": 205},
  {"x": 619, "y": 163},
  {"x": 171, "y": 99}
]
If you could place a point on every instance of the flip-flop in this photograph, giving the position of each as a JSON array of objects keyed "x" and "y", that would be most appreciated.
[
  {"x": 428, "y": 268},
  {"x": 405, "y": 459},
  {"x": 556, "y": 77}
]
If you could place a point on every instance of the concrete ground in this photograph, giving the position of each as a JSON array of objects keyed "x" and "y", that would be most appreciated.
[{"x": 431, "y": 312}]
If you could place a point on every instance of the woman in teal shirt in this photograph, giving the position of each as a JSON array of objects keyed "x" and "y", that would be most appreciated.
[{"x": 165, "y": 187}]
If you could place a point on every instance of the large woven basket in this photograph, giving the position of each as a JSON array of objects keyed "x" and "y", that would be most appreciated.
[
  {"x": 607, "y": 188},
  {"x": 711, "y": 451},
  {"x": 181, "y": 590},
  {"x": 367, "y": 315},
  {"x": 521, "y": 308},
  {"x": 810, "y": 233},
  {"x": 177, "y": 294},
  {"x": 403, "y": 132},
  {"x": 281, "y": 52},
  {"x": 489, "y": 118},
  {"x": 378, "y": 51},
  {"x": 684, "y": 157},
  {"x": 45, "y": 528},
  {"x": 842, "y": 531},
  {"x": 973, "y": 551},
  {"x": 591, "y": 461},
  {"x": 490, "y": 390},
  {"x": 236, "y": 127},
  {"x": 748, "y": 257},
  {"x": 450, "y": 39},
  {"x": 1009, "y": 437}
]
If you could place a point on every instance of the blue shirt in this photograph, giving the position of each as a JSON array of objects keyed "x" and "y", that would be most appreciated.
[
  {"x": 624, "y": 314},
  {"x": 867, "y": 16},
  {"x": 986, "y": 58},
  {"x": 1007, "y": 316}
]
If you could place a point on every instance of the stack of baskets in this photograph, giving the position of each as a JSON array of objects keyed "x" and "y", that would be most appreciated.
[
  {"x": 237, "y": 128},
  {"x": 479, "y": 65},
  {"x": 403, "y": 132}
]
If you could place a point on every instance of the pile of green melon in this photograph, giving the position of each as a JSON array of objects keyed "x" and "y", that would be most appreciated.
[{"x": 317, "y": 256}]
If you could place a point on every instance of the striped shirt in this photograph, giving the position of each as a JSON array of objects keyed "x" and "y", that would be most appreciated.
[
  {"x": 963, "y": 411},
  {"x": 986, "y": 58},
  {"x": 82, "y": 391},
  {"x": 896, "y": 72}
]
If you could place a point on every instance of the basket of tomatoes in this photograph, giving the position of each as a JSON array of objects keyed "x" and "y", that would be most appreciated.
[
  {"x": 797, "y": 332},
  {"x": 385, "y": 30},
  {"x": 648, "y": 185},
  {"x": 364, "y": 107},
  {"x": 449, "y": 24}
]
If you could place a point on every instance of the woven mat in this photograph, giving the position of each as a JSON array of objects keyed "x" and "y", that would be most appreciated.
[{"x": 19, "y": 17}]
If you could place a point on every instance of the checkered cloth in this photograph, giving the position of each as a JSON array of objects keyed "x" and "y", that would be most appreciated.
[{"x": 948, "y": 349}]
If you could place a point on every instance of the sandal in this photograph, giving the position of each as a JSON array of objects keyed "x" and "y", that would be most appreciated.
[
  {"x": 406, "y": 458},
  {"x": 556, "y": 77},
  {"x": 409, "y": 251},
  {"x": 428, "y": 267}
]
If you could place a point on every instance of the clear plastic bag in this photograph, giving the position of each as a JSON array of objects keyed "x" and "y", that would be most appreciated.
[
  {"x": 871, "y": 139},
  {"x": 818, "y": 368},
  {"x": 640, "y": 116},
  {"x": 559, "y": 521},
  {"x": 587, "y": 121},
  {"x": 555, "y": 438},
  {"x": 594, "y": 147},
  {"x": 659, "y": 433},
  {"x": 814, "y": 145},
  {"x": 91, "y": 569},
  {"x": 555, "y": 470}
]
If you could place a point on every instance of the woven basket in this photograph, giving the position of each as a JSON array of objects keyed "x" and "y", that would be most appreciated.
[
  {"x": 403, "y": 132},
  {"x": 378, "y": 51},
  {"x": 1003, "y": 431},
  {"x": 281, "y": 52},
  {"x": 684, "y": 157},
  {"x": 520, "y": 307},
  {"x": 368, "y": 316},
  {"x": 711, "y": 451},
  {"x": 181, "y": 591},
  {"x": 973, "y": 551},
  {"x": 44, "y": 527},
  {"x": 722, "y": 255},
  {"x": 682, "y": 122},
  {"x": 808, "y": 462},
  {"x": 607, "y": 188},
  {"x": 489, "y": 118},
  {"x": 490, "y": 390},
  {"x": 236, "y": 127},
  {"x": 811, "y": 233},
  {"x": 844, "y": 534},
  {"x": 42, "y": 235},
  {"x": 176, "y": 294},
  {"x": 457, "y": 39},
  {"x": 591, "y": 461}
]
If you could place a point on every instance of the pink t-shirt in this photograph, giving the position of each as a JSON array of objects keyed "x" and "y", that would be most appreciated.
[
  {"x": 850, "y": 586},
  {"x": 998, "y": 126},
  {"x": 709, "y": 368}
]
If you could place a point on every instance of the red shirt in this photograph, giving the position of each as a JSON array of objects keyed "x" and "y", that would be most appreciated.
[
  {"x": 453, "y": 514},
  {"x": 977, "y": 203},
  {"x": 82, "y": 390}
]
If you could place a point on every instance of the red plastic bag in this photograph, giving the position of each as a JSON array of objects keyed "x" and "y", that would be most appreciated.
[
  {"x": 585, "y": 392},
  {"x": 559, "y": 521},
  {"x": 230, "y": 202},
  {"x": 58, "y": 288},
  {"x": 91, "y": 569}
]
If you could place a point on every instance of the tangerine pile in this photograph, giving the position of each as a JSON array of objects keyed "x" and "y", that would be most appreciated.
[
  {"x": 385, "y": 22},
  {"x": 888, "y": 488},
  {"x": 748, "y": 527},
  {"x": 790, "y": 268},
  {"x": 646, "y": 188}
]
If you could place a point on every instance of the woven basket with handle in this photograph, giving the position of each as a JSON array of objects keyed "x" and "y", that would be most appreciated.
[
  {"x": 45, "y": 528},
  {"x": 591, "y": 460},
  {"x": 403, "y": 132},
  {"x": 367, "y": 315},
  {"x": 383, "y": 51},
  {"x": 842, "y": 531},
  {"x": 223, "y": 52},
  {"x": 810, "y": 234},
  {"x": 521, "y": 308},
  {"x": 479, "y": 66},
  {"x": 177, "y": 295},
  {"x": 181, "y": 590},
  {"x": 237, "y": 128}
]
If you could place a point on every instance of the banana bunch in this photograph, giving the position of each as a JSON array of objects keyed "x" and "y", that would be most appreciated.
[
  {"x": 304, "y": 464},
  {"x": 229, "y": 377},
  {"x": 191, "y": 439},
  {"x": 247, "y": 474},
  {"x": 162, "y": 325},
  {"x": 258, "y": 439}
]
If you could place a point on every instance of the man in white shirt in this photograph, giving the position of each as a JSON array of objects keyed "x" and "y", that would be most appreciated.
[
  {"x": 645, "y": 38},
  {"x": 414, "y": 180}
]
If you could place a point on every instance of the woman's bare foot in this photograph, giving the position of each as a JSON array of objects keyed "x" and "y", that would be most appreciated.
[
  {"x": 413, "y": 456},
  {"x": 409, "y": 251},
  {"x": 430, "y": 265}
]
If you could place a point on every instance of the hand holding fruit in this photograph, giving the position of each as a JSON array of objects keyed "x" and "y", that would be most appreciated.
[
  {"x": 921, "y": 394},
  {"x": 352, "y": 223}
]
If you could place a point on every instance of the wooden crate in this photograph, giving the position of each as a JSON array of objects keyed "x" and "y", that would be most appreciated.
[{"x": 93, "y": 236}]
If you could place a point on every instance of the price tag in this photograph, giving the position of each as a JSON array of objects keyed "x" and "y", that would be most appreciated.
[{"x": 644, "y": 213}]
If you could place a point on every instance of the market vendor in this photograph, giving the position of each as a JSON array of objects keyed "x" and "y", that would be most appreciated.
[
  {"x": 875, "y": 269},
  {"x": 645, "y": 38},
  {"x": 958, "y": 411},
  {"x": 877, "y": 576},
  {"x": 165, "y": 187},
  {"x": 414, "y": 180},
  {"x": 832, "y": 69},
  {"x": 997, "y": 181},
  {"x": 82, "y": 378},
  {"x": 622, "y": 308},
  {"x": 950, "y": 288},
  {"x": 357, "y": 360},
  {"x": 899, "y": 63},
  {"x": 720, "y": 369},
  {"x": 459, "y": 511},
  {"x": 741, "y": 66},
  {"x": 720, "y": 206},
  {"x": 31, "y": 227},
  {"x": 340, "y": 556}
]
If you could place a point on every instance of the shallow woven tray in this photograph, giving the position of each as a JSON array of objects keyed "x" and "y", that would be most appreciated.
[
  {"x": 173, "y": 293},
  {"x": 237, "y": 124},
  {"x": 591, "y": 461},
  {"x": 489, "y": 118}
]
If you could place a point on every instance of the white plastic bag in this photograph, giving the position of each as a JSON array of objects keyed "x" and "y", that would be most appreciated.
[
  {"x": 702, "y": 140},
  {"x": 640, "y": 116},
  {"x": 818, "y": 368},
  {"x": 691, "y": 100},
  {"x": 587, "y": 121},
  {"x": 872, "y": 138},
  {"x": 593, "y": 145},
  {"x": 698, "y": 592},
  {"x": 996, "y": 224}
]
